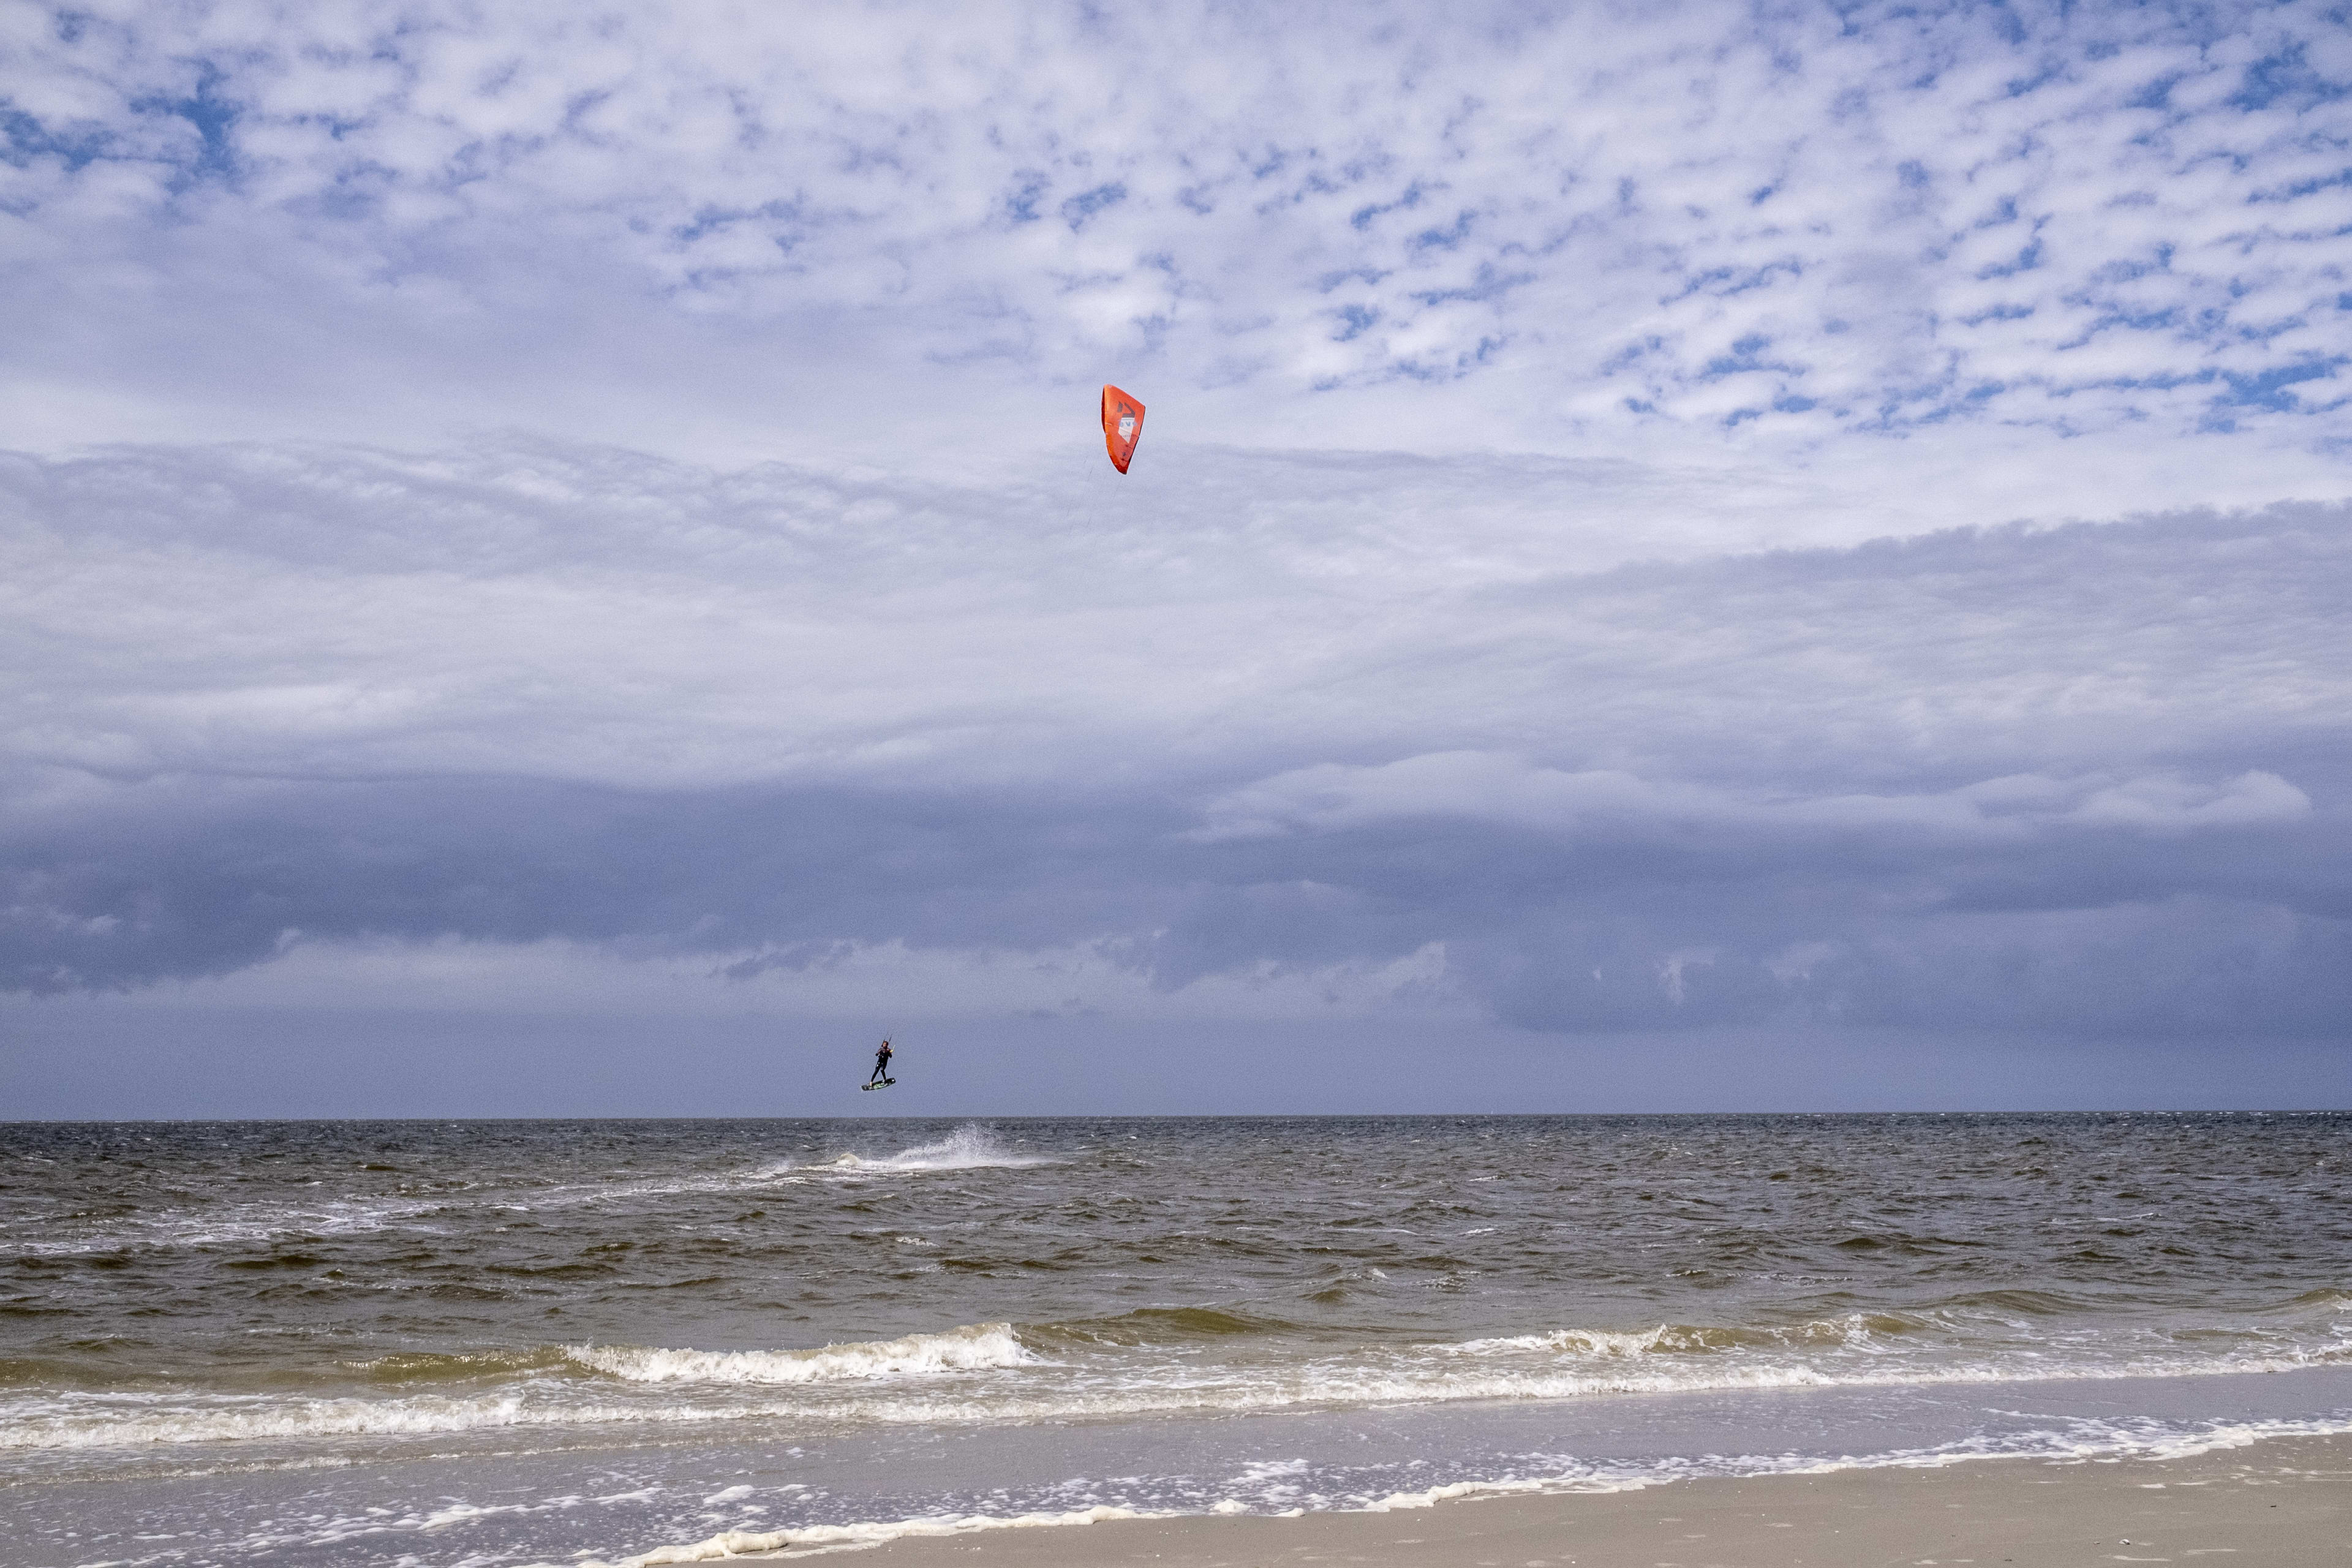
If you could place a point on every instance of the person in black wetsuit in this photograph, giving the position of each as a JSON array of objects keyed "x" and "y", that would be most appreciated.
[{"x": 881, "y": 1063}]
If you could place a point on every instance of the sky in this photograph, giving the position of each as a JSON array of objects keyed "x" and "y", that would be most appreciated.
[{"x": 559, "y": 560}]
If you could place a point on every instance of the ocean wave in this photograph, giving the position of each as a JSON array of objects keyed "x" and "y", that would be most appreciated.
[
  {"x": 1983, "y": 1322},
  {"x": 2324, "y": 1298},
  {"x": 979, "y": 1347},
  {"x": 116, "y": 1422},
  {"x": 1152, "y": 1362},
  {"x": 1852, "y": 1331},
  {"x": 1341, "y": 1385},
  {"x": 1158, "y": 1325},
  {"x": 466, "y": 1366},
  {"x": 263, "y": 1223},
  {"x": 106, "y": 1421}
]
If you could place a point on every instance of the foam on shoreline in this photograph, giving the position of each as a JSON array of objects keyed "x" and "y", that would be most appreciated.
[
  {"x": 2283, "y": 1504},
  {"x": 2088, "y": 1442}
]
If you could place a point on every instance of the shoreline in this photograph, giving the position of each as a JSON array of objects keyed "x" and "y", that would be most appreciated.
[{"x": 2276, "y": 1502}]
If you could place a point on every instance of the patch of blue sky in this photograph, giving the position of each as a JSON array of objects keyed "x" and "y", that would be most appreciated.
[
  {"x": 1630, "y": 354},
  {"x": 1411, "y": 198},
  {"x": 1355, "y": 320},
  {"x": 1448, "y": 238},
  {"x": 1029, "y": 188},
  {"x": 1080, "y": 209},
  {"x": 2028, "y": 257},
  {"x": 1722, "y": 282},
  {"x": 1269, "y": 162},
  {"x": 1746, "y": 358},
  {"x": 2004, "y": 212},
  {"x": 2152, "y": 381},
  {"x": 2156, "y": 93},
  {"x": 1489, "y": 283},
  {"x": 2295, "y": 190},
  {"x": 211, "y": 115},
  {"x": 2286, "y": 77},
  {"x": 2272, "y": 389},
  {"x": 2267, "y": 332},
  {"x": 2006, "y": 311},
  {"x": 2162, "y": 319},
  {"x": 24, "y": 138},
  {"x": 2051, "y": 70}
]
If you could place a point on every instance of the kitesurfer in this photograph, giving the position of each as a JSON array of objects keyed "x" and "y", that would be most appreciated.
[{"x": 881, "y": 1064}]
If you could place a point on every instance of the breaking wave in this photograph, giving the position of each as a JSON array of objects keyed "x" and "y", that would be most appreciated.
[
  {"x": 971, "y": 1147},
  {"x": 993, "y": 1372},
  {"x": 980, "y": 1347}
]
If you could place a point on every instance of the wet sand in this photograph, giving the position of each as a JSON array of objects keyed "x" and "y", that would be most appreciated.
[{"x": 2283, "y": 1503}]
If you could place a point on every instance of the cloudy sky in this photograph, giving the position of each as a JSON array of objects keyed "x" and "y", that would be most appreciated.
[{"x": 559, "y": 560}]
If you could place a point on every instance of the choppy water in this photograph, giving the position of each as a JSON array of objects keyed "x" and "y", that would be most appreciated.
[{"x": 483, "y": 1342}]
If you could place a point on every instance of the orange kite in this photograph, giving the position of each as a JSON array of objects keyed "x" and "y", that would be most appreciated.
[{"x": 1122, "y": 426}]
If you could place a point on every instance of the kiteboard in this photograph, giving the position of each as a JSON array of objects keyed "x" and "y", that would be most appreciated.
[{"x": 884, "y": 1084}]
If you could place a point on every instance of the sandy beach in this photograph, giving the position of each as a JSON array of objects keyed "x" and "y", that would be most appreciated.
[{"x": 2284, "y": 1503}]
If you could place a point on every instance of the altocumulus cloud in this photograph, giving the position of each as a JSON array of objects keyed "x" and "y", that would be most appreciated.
[{"x": 1812, "y": 220}]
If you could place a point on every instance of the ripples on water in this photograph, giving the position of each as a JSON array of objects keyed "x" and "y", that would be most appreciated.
[{"x": 290, "y": 1295}]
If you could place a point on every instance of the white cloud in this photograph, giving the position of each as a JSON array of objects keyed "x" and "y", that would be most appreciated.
[
  {"x": 1328, "y": 717},
  {"x": 1820, "y": 224},
  {"x": 1610, "y": 807},
  {"x": 838, "y": 981},
  {"x": 600, "y": 617}
]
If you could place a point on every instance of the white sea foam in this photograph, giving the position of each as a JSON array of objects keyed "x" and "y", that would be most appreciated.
[
  {"x": 2078, "y": 1439},
  {"x": 1260, "y": 1488},
  {"x": 819, "y": 1537},
  {"x": 117, "y": 1422},
  {"x": 985, "y": 1373},
  {"x": 84, "y": 1422},
  {"x": 1933, "y": 1338},
  {"x": 969, "y": 1147},
  {"x": 117, "y": 1419},
  {"x": 978, "y": 1347},
  {"x": 1854, "y": 1331},
  {"x": 239, "y": 1224},
  {"x": 253, "y": 1224}
]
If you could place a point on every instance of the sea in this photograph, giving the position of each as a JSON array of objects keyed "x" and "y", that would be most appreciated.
[{"x": 452, "y": 1344}]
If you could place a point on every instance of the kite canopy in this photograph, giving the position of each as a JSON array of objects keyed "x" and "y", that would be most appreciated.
[{"x": 1122, "y": 426}]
